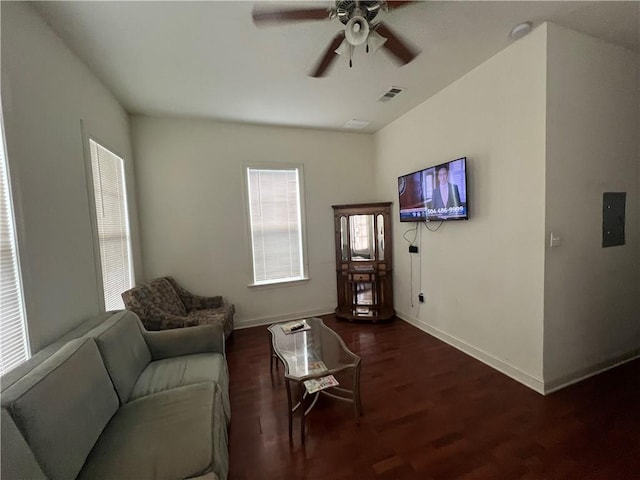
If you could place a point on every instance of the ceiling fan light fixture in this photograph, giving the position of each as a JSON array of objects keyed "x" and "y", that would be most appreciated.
[
  {"x": 356, "y": 30},
  {"x": 375, "y": 41},
  {"x": 358, "y": 19}
]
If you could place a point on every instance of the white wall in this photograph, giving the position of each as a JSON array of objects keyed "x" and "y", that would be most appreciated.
[
  {"x": 482, "y": 278},
  {"x": 193, "y": 217},
  {"x": 592, "y": 316},
  {"x": 46, "y": 92}
]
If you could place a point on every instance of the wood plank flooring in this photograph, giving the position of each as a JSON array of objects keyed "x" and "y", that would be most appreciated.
[{"x": 430, "y": 412}]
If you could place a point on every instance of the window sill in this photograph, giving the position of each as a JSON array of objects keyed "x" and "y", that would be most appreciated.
[{"x": 277, "y": 284}]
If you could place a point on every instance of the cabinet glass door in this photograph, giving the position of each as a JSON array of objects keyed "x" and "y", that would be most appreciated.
[
  {"x": 344, "y": 239},
  {"x": 362, "y": 237},
  {"x": 380, "y": 236}
]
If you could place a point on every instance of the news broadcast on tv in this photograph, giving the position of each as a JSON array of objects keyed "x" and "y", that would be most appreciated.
[{"x": 434, "y": 194}]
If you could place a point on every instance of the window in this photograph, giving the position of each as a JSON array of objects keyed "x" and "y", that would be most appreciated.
[
  {"x": 14, "y": 346},
  {"x": 276, "y": 222},
  {"x": 112, "y": 224}
]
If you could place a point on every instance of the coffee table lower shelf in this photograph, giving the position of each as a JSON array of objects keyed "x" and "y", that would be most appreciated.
[{"x": 305, "y": 401}]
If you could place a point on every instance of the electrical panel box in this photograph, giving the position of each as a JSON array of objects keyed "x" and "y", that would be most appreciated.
[{"x": 613, "y": 206}]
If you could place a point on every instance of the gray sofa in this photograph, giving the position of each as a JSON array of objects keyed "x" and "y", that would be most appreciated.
[{"x": 119, "y": 402}]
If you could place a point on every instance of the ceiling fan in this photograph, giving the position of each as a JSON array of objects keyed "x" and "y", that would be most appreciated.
[{"x": 360, "y": 27}]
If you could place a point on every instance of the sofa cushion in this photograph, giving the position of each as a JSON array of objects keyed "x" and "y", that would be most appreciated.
[
  {"x": 17, "y": 459},
  {"x": 123, "y": 349},
  {"x": 220, "y": 437},
  {"x": 21, "y": 370},
  {"x": 166, "y": 298},
  {"x": 163, "y": 436},
  {"x": 175, "y": 372},
  {"x": 62, "y": 406}
]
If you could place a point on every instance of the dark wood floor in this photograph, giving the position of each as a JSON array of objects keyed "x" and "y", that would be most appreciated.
[{"x": 430, "y": 412}]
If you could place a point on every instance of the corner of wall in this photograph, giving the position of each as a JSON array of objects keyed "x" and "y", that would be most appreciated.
[{"x": 591, "y": 293}]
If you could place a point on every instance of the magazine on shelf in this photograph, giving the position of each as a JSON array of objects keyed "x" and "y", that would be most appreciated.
[
  {"x": 295, "y": 326},
  {"x": 316, "y": 367},
  {"x": 316, "y": 384},
  {"x": 301, "y": 367}
]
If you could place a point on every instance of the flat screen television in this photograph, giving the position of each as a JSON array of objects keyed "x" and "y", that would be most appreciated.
[{"x": 435, "y": 193}]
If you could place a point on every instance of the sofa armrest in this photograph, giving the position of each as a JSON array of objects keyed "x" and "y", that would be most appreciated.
[{"x": 185, "y": 341}]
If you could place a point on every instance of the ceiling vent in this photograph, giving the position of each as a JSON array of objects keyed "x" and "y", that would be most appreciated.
[
  {"x": 356, "y": 124},
  {"x": 391, "y": 93}
]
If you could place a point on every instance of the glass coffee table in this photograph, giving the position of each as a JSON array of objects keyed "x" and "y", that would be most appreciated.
[{"x": 311, "y": 354}]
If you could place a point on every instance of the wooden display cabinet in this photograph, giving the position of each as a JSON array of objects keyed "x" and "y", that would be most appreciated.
[{"x": 363, "y": 261}]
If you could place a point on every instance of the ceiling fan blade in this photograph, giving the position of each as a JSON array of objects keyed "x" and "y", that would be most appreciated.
[
  {"x": 393, "y": 4},
  {"x": 400, "y": 49},
  {"x": 263, "y": 17},
  {"x": 329, "y": 56}
]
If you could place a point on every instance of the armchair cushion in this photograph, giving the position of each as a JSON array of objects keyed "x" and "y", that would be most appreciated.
[
  {"x": 214, "y": 316},
  {"x": 195, "y": 302},
  {"x": 166, "y": 298}
]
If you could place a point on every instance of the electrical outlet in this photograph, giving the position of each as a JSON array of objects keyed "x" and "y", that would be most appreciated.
[{"x": 421, "y": 297}]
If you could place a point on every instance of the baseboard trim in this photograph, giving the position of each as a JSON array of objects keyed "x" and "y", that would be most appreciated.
[
  {"x": 583, "y": 374},
  {"x": 259, "y": 321},
  {"x": 515, "y": 373}
]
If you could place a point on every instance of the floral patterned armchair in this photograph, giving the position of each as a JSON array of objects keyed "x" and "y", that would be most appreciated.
[{"x": 162, "y": 304}]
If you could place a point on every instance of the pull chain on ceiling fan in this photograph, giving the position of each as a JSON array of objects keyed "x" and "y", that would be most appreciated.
[{"x": 357, "y": 17}]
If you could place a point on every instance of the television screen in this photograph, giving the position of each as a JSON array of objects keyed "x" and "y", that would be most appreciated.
[{"x": 435, "y": 193}]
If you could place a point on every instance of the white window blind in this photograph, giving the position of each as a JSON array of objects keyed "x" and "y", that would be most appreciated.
[
  {"x": 276, "y": 224},
  {"x": 14, "y": 346},
  {"x": 113, "y": 224}
]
